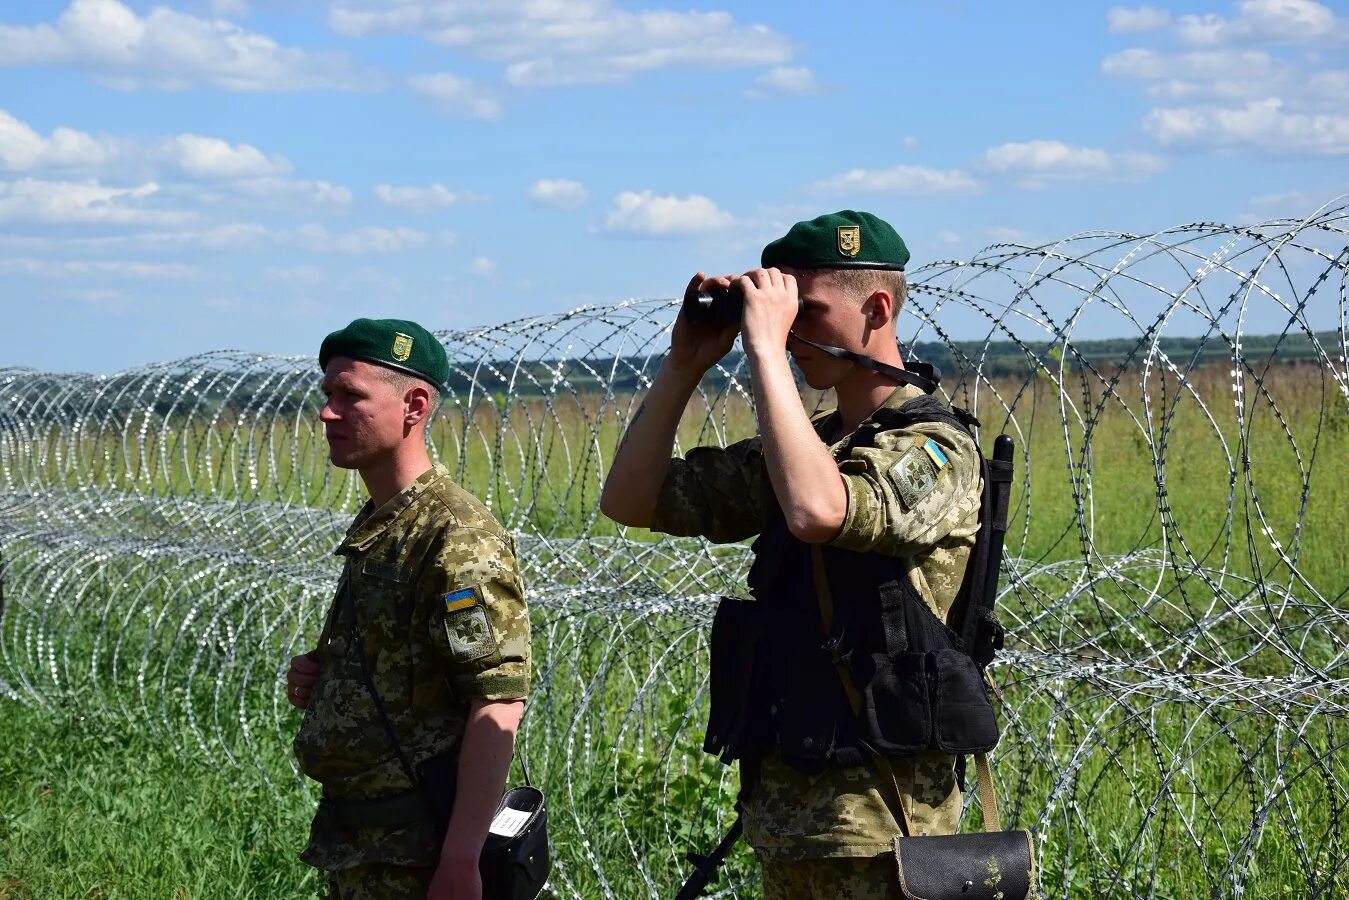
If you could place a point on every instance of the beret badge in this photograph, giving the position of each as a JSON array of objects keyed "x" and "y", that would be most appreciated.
[
  {"x": 849, "y": 239},
  {"x": 402, "y": 346}
]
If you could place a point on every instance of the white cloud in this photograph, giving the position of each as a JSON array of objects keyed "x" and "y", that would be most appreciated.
[
  {"x": 287, "y": 193},
  {"x": 1138, "y": 62},
  {"x": 360, "y": 241},
  {"x": 1039, "y": 161},
  {"x": 549, "y": 43},
  {"x": 1265, "y": 22},
  {"x": 665, "y": 214},
  {"x": 1261, "y": 124},
  {"x": 457, "y": 96},
  {"x": 172, "y": 51},
  {"x": 784, "y": 80},
  {"x": 23, "y": 149},
  {"x": 417, "y": 199},
  {"x": 209, "y": 157},
  {"x": 559, "y": 193},
  {"x": 484, "y": 266},
  {"x": 46, "y": 268},
  {"x": 35, "y": 200},
  {"x": 1126, "y": 20},
  {"x": 901, "y": 180}
]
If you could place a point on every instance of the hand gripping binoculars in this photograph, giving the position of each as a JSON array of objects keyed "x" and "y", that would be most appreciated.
[{"x": 719, "y": 305}]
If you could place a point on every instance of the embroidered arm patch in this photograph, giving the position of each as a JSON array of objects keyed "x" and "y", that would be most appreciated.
[
  {"x": 915, "y": 475},
  {"x": 466, "y": 626}
]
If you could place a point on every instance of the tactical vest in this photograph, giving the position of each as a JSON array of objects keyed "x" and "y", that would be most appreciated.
[{"x": 774, "y": 677}]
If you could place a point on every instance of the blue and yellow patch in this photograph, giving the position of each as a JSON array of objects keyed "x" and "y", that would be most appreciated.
[
  {"x": 460, "y": 599},
  {"x": 935, "y": 453}
]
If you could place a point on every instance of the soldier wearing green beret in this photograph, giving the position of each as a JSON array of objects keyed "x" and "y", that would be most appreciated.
[
  {"x": 822, "y": 818},
  {"x": 426, "y": 643}
]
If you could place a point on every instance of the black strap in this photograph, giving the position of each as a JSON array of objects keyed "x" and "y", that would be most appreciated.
[{"x": 923, "y": 376}]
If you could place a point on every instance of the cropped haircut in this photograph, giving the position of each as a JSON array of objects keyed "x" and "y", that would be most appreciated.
[
  {"x": 401, "y": 382},
  {"x": 860, "y": 283}
]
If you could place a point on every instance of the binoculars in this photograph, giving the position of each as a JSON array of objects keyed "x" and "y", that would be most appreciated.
[{"x": 719, "y": 305}]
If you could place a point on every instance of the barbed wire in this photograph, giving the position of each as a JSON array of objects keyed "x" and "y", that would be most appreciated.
[{"x": 1175, "y": 686}]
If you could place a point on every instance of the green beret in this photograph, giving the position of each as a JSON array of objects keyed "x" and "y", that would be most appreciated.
[
  {"x": 841, "y": 240},
  {"x": 393, "y": 343}
]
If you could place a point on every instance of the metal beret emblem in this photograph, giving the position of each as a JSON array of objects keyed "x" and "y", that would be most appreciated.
[
  {"x": 402, "y": 346},
  {"x": 849, "y": 239}
]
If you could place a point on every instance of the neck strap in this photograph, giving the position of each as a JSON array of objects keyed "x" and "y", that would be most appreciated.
[{"x": 921, "y": 375}]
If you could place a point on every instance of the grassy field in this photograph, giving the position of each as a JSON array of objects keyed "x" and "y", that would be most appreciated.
[{"x": 91, "y": 806}]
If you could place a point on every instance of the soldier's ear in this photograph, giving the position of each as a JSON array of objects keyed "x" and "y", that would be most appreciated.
[
  {"x": 416, "y": 404},
  {"x": 878, "y": 309}
]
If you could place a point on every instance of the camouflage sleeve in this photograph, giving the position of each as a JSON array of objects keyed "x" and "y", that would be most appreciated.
[
  {"x": 721, "y": 494},
  {"x": 481, "y": 623},
  {"x": 910, "y": 490}
]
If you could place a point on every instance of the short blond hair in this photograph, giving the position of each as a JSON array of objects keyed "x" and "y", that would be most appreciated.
[{"x": 861, "y": 283}]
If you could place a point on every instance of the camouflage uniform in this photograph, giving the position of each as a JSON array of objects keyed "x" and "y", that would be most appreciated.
[
  {"x": 432, "y": 578},
  {"x": 725, "y": 495}
]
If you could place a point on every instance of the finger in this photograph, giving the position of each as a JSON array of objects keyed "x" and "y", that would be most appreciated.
[
  {"x": 305, "y": 663},
  {"x": 695, "y": 283},
  {"x": 716, "y": 281}
]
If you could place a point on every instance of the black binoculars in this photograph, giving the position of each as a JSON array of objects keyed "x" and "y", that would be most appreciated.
[{"x": 719, "y": 305}]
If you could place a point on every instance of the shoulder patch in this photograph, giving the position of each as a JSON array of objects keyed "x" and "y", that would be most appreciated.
[
  {"x": 467, "y": 630},
  {"x": 915, "y": 475}
]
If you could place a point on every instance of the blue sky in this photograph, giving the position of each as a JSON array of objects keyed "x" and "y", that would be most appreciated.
[{"x": 251, "y": 174}]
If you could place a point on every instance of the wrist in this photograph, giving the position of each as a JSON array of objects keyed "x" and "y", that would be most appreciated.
[
  {"x": 758, "y": 351},
  {"x": 681, "y": 374}
]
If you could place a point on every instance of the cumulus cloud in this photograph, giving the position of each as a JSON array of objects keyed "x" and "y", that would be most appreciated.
[
  {"x": 784, "y": 80},
  {"x": 1126, "y": 20},
  {"x": 552, "y": 44},
  {"x": 209, "y": 157},
  {"x": 665, "y": 214},
  {"x": 417, "y": 199},
  {"x": 1262, "y": 124},
  {"x": 59, "y": 202},
  {"x": 169, "y": 50},
  {"x": 23, "y": 149},
  {"x": 1238, "y": 85},
  {"x": 1040, "y": 161},
  {"x": 1265, "y": 21},
  {"x": 276, "y": 191},
  {"x": 913, "y": 180},
  {"x": 456, "y": 96},
  {"x": 359, "y": 241},
  {"x": 559, "y": 193},
  {"x": 484, "y": 266}
]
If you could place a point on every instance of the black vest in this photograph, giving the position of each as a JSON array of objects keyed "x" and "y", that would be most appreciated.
[{"x": 774, "y": 680}]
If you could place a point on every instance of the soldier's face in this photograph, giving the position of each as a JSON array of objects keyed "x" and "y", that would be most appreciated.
[
  {"x": 363, "y": 416},
  {"x": 829, "y": 317}
]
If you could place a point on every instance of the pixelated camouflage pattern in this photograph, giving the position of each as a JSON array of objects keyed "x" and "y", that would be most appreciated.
[
  {"x": 380, "y": 881},
  {"x": 401, "y": 560},
  {"x": 725, "y": 495},
  {"x": 859, "y": 878}
]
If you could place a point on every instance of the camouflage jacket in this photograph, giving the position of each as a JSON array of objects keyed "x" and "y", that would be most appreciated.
[
  {"x": 907, "y": 499},
  {"x": 431, "y": 580}
]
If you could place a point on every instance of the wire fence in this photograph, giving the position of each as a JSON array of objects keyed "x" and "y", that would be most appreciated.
[{"x": 1175, "y": 687}]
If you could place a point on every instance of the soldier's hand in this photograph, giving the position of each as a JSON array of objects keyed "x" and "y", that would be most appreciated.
[
  {"x": 698, "y": 346},
  {"x": 300, "y": 681},
  {"x": 771, "y": 307}
]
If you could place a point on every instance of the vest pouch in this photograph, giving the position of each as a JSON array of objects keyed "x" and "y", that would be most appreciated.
[
  {"x": 896, "y": 715},
  {"x": 803, "y": 706},
  {"x": 735, "y": 638},
  {"x": 963, "y": 715}
]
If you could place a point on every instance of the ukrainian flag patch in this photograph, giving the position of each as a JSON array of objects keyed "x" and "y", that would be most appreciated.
[
  {"x": 935, "y": 452},
  {"x": 461, "y": 599}
]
